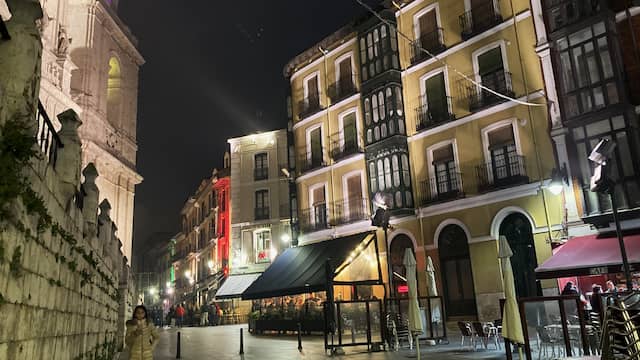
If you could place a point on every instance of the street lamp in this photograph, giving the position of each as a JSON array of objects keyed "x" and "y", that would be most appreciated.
[
  {"x": 381, "y": 219},
  {"x": 603, "y": 184}
]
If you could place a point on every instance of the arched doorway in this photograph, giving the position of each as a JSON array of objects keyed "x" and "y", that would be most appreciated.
[
  {"x": 397, "y": 248},
  {"x": 455, "y": 268},
  {"x": 517, "y": 229}
]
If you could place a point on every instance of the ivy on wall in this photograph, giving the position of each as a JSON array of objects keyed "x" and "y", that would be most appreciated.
[{"x": 17, "y": 149}]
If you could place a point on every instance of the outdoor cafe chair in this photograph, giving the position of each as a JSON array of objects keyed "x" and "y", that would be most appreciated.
[
  {"x": 486, "y": 333},
  {"x": 546, "y": 341},
  {"x": 467, "y": 332}
]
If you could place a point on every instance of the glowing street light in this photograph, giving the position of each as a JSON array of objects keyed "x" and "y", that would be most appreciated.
[
  {"x": 210, "y": 264},
  {"x": 187, "y": 274},
  {"x": 285, "y": 238}
]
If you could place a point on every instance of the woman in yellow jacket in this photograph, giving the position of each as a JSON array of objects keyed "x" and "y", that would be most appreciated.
[{"x": 142, "y": 335}]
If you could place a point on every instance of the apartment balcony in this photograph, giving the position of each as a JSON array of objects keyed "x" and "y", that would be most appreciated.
[
  {"x": 501, "y": 173},
  {"x": 480, "y": 18},
  {"x": 261, "y": 213},
  {"x": 314, "y": 218},
  {"x": 444, "y": 187},
  {"x": 342, "y": 148},
  {"x": 432, "y": 42},
  {"x": 308, "y": 106},
  {"x": 498, "y": 81},
  {"x": 309, "y": 161},
  {"x": 351, "y": 210},
  {"x": 433, "y": 112},
  {"x": 260, "y": 173},
  {"x": 342, "y": 89}
]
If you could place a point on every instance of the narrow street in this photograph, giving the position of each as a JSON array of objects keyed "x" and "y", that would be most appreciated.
[{"x": 223, "y": 342}]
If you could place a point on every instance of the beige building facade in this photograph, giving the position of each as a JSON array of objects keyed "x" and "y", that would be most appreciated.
[
  {"x": 259, "y": 200},
  {"x": 90, "y": 63}
]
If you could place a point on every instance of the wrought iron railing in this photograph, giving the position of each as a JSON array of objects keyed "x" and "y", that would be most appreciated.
[
  {"x": 309, "y": 106},
  {"x": 262, "y": 213},
  {"x": 480, "y": 18},
  {"x": 314, "y": 218},
  {"x": 342, "y": 146},
  {"x": 433, "y": 111},
  {"x": 498, "y": 81},
  {"x": 443, "y": 187},
  {"x": 432, "y": 42},
  {"x": 308, "y": 161},
  {"x": 261, "y": 173},
  {"x": 343, "y": 88},
  {"x": 350, "y": 210},
  {"x": 47, "y": 138},
  {"x": 498, "y": 173}
]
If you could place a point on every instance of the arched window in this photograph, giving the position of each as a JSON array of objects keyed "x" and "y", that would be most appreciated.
[
  {"x": 387, "y": 173},
  {"x": 383, "y": 111},
  {"x": 406, "y": 179},
  {"x": 367, "y": 112},
  {"x": 114, "y": 93},
  {"x": 380, "y": 175},
  {"x": 374, "y": 108},
  {"x": 372, "y": 176},
  {"x": 396, "y": 170}
]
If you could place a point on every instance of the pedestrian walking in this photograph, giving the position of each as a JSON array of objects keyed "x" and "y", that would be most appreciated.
[
  {"x": 142, "y": 336},
  {"x": 204, "y": 315},
  {"x": 180, "y": 315},
  {"x": 611, "y": 287}
]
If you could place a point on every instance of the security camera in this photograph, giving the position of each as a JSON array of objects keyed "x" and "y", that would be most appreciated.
[{"x": 285, "y": 172}]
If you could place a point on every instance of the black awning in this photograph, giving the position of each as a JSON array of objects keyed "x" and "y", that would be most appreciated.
[{"x": 302, "y": 269}]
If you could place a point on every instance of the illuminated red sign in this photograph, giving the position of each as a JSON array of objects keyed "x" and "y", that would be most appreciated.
[{"x": 402, "y": 289}]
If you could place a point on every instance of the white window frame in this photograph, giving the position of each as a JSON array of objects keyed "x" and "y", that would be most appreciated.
[
  {"x": 513, "y": 122},
  {"x": 255, "y": 241},
  {"x": 345, "y": 190},
  {"x": 312, "y": 188},
  {"x": 431, "y": 173},
  {"x": 416, "y": 24},
  {"x": 258, "y": 153},
  {"x": 430, "y": 74},
  {"x": 341, "y": 117},
  {"x": 305, "y": 84},
  {"x": 503, "y": 53},
  {"x": 308, "y": 138},
  {"x": 337, "y": 62}
]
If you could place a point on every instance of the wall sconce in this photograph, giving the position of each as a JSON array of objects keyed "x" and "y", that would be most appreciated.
[{"x": 558, "y": 179}]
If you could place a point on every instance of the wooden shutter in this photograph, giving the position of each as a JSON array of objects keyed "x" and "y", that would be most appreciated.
[
  {"x": 490, "y": 61},
  {"x": 427, "y": 23}
]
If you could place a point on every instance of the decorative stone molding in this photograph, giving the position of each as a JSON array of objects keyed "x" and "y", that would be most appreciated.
[
  {"x": 69, "y": 157},
  {"x": 91, "y": 196}
]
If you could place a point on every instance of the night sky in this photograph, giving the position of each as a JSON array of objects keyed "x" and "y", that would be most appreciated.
[{"x": 213, "y": 71}]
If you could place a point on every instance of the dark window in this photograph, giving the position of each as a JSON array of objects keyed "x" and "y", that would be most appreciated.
[
  {"x": 586, "y": 71},
  {"x": 350, "y": 133},
  {"x": 261, "y": 167},
  {"x": 262, "y": 205},
  {"x": 316, "y": 147}
]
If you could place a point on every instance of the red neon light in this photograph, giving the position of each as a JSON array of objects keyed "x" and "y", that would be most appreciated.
[{"x": 402, "y": 289}]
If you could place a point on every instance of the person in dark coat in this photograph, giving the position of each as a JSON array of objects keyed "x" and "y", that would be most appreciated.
[{"x": 596, "y": 300}]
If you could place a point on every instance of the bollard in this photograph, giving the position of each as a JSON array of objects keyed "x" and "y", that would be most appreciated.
[
  {"x": 178, "y": 347},
  {"x": 299, "y": 337},
  {"x": 241, "y": 343}
]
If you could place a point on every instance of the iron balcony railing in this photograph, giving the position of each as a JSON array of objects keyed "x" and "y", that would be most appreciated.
[
  {"x": 503, "y": 172},
  {"x": 309, "y": 106},
  {"x": 432, "y": 42},
  {"x": 342, "y": 147},
  {"x": 433, "y": 111},
  {"x": 442, "y": 187},
  {"x": 498, "y": 81},
  {"x": 308, "y": 161},
  {"x": 261, "y": 173},
  {"x": 314, "y": 218},
  {"x": 351, "y": 210},
  {"x": 47, "y": 138},
  {"x": 343, "y": 88},
  {"x": 480, "y": 18},
  {"x": 262, "y": 213}
]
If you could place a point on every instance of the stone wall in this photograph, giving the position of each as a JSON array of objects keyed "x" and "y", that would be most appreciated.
[{"x": 62, "y": 290}]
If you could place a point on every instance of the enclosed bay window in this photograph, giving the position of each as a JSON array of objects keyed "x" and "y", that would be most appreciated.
[{"x": 586, "y": 71}]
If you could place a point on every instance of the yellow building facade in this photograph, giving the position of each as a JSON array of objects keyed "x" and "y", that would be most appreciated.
[
  {"x": 479, "y": 161},
  {"x": 452, "y": 132}
]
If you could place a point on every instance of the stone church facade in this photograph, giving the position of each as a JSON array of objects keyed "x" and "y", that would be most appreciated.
[{"x": 90, "y": 64}]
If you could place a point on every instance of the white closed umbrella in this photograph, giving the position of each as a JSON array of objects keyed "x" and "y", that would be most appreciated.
[
  {"x": 511, "y": 323},
  {"x": 432, "y": 290},
  {"x": 415, "y": 321}
]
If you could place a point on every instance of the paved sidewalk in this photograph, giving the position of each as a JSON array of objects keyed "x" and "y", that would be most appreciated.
[{"x": 223, "y": 342}]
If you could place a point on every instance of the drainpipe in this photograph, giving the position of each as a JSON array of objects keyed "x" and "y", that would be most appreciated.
[{"x": 330, "y": 162}]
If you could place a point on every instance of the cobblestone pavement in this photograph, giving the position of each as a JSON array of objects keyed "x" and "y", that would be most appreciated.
[{"x": 223, "y": 342}]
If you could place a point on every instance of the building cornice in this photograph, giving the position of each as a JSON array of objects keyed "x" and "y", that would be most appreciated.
[{"x": 120, "y": 32}]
